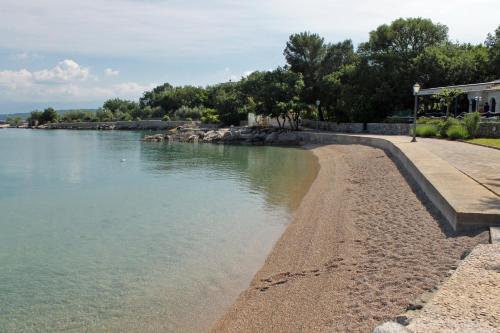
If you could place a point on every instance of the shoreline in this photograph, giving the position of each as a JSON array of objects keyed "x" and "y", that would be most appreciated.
[{"x": 362, "y": 245}]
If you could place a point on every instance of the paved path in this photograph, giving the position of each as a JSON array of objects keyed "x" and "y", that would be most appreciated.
[
  {"x": 479, "y": 163},
  {"x": 459, "y": 178}
]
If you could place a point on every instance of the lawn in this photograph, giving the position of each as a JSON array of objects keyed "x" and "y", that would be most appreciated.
[{"x": 487, "y": 142}]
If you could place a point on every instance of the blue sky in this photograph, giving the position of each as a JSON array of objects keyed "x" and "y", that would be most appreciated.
[{"x": 68, "y": 54}]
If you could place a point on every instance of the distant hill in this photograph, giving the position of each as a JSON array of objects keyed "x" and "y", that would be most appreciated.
[{"x": 25, "y": 115}]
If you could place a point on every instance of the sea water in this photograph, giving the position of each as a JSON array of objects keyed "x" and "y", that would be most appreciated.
[{"x": 100, "y": 232}]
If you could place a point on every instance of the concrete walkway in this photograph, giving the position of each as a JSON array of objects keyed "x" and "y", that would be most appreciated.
[
  {"x": 480, "y": 163},
  {"x": 457, "y": 177}
]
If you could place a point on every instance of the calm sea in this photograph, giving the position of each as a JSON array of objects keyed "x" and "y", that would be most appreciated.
[{"x": 100, "y": 232}]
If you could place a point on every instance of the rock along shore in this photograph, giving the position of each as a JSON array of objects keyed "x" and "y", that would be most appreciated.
[{"x": 232, "y": 135}]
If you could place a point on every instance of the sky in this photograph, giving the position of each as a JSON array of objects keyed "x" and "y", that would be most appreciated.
[{"x": 76, "y": 54}]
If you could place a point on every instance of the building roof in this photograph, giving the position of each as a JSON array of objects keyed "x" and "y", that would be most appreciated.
[{"x": 464, "y": 87}]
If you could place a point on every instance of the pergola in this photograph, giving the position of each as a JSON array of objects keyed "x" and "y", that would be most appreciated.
[{"x": 478, "y": 94}]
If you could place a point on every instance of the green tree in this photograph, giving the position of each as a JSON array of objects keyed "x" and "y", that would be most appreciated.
[
  {"x": 14, "y": 121},
  {"x": 388, "y": 58},
  {"x": 279, "y": 95},
  {"x": 305, "y": 53},
  {"x": 337, "y": 56},
  {"x": 104, "y": 115},
  {"x": 493, "y": 45},
  {"x": 448, "y": 96},
  {"x": 228, "y": 100},
  {"x": 339, "y": 59},
  {"x": 451, "y": 64},
  {"x": 49, "y": 115},
  {"x": 35, "y": 118}
]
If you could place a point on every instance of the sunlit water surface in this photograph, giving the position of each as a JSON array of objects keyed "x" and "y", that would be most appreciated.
[{"x": 102, "y": 233}]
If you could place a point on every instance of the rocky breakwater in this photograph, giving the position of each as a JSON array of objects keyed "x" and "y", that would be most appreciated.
[{"x": 231, "y": 135}]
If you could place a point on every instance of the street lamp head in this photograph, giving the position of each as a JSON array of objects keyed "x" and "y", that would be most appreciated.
[{"x": 416, "y": 88}]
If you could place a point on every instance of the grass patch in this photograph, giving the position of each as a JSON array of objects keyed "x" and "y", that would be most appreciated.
[
  {"x": 487, "y": 142},
  {"x": 426, "y": 130},
  {"x": 456, "y": 132}
]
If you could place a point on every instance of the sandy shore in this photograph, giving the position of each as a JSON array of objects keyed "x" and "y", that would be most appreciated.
[{"x": 363, "y": 244}]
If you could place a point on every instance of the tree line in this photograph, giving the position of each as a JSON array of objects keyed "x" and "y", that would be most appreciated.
[{"x": 362, "y": 84}]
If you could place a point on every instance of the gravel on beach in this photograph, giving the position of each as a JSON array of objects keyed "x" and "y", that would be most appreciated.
[{"x": 362, "y": 246}]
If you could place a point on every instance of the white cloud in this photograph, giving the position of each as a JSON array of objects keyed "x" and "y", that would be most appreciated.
[
  {"x": 66, "y": 70},
  {"x": 111, "y": 72},
  {"x": 177, "y": 28},
  {"x": 131, "y": 88},
  {"x": 15, "y": 79},
  {"x": 67, "y": 81}
]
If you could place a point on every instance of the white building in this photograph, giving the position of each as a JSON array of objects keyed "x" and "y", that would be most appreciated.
[{"x": 474, "y": 98}]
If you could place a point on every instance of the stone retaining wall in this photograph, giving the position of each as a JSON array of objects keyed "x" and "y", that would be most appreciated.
[
  {"x": 489, "y": 130},
  {"x": 333, "y": 127},
  {"x": 371, "y": 128},
  {"x": 388, "y": 129},
  {"x": 128, "y": 125}
]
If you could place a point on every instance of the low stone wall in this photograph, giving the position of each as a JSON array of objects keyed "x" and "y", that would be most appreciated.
[
  {"x": 128, "y": 125},
  {"x": 371, "y": 128},
  {"x": 388, "y": 129},
  {"x": 333, "y": 127},
  {"x": 489, "y": 130}
]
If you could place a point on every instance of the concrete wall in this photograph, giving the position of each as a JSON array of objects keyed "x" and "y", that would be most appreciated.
[
  {"x": 435, "y": 177},
  {"x": 371, "y": 128}
]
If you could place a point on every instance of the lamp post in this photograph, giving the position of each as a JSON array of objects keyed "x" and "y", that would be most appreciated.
[
  {"x": 416, "y": 89},
  {"x": 318, "y": 103}
]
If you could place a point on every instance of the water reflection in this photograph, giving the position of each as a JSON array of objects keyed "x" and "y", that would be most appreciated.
[{"x": 281, "y": 174}]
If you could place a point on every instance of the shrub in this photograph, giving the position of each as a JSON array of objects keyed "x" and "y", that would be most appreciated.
[
  {"x": 104, "y": 115},
  {"x": 426, "y": 130},
  {"x": 157, "y": 112},
  {"x": 471, "y": 123},
  {"x": 165, "y": 118},
  {"x": 209, "y": 116},
  {"x": 447, "y": 124},
  {"x": 456, "y": 132},
  {"x": 185, "y": 112}
]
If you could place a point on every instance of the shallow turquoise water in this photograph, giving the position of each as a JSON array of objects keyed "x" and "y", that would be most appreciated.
[{"x": 162, "y": 241}]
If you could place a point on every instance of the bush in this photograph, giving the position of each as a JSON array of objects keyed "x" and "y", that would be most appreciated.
[
  {"x": 426, "y": 130},
  {"x": 185, "y": 112},
  {"x": 104, "y": 115},
  {"x": 447, "y": 124},
  {"x": 456, "y": 132},
  {"x": 165, "y": 118},
  {"x": 209, "y": 116},
  {"x": 471, "y": 123}
]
